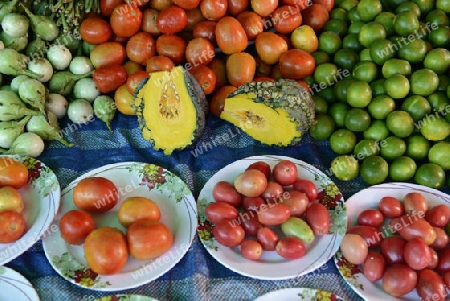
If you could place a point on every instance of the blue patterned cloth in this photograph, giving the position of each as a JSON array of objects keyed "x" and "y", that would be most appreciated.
[{"x": 197, "y": 276}]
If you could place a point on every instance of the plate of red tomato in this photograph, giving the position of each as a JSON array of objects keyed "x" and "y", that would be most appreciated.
[{"x": 271, "y": 217}]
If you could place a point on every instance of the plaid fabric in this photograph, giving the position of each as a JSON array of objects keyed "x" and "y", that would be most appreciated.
[{"x": 197, "y": 276}]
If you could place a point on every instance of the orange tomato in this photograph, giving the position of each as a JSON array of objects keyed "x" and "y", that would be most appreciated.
[
  {"x": 296, "y": 64},
  {"x": 213, "y": 9},
  {"x": 218, "y": 66},
  {"x": 159, "y": 63},
  {"x": 230, "y": 35},
  {"x": 95, "y": 194},
  {"x": 124, "y": 101},
  {"x": 12, "y": 172},
  {"x": 75, "y": 225},
  {"x": 264, "y": 7},
  {"x": 241, "y": 68},
  {"x": 141, "y": 47},
  {"x": 270, "y": 46},
  {"x": 138, "y": 208},
  {"x": 109, "y": 53},
  {"x": 252, "y": 22},
  {"x": 199, "y": 51},
  {"x": 135, "y": 79},
  {"x": 171, "y": 46},
  {"x": 205, "y": 77},
  {"x": 12, "y": 226},
  {"x": 218, "y": 100},
  {"x": 132, "y": 67}
]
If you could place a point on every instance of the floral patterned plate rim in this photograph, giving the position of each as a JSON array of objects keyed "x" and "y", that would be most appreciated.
[
  {"x": 366, "y": 199},
  {"x": 299, "y": 294},
  {"x": 126, "y": 298},
  {"x": 13, "y": 286},
  {"x": 271, "y": 266},
  {"x": 41, "y": 197},
  {"x": 178, "y": 212}
]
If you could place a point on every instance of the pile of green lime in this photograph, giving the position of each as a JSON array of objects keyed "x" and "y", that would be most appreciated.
[{"x": 386, "y": 110}]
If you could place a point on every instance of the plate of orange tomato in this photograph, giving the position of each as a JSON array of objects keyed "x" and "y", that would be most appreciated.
[{"x": 121, "y": 226}]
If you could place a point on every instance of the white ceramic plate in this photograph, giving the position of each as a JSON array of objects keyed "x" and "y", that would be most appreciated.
[
  {"x": 14, "y": 286},
  {"x": 41, "y": 197},
  {"x": 178, "y": 212},
  {"x": 271, "y": 266},
  {"x": 369, "y": 199},
  {"x": 126, "y": 298},
  {"x": 298, "y": 294}
]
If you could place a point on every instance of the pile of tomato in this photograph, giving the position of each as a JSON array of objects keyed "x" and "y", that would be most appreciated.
[
  {"x": 403, "y": 243},
  {"x": 13, "y": 176},
  {"x": 267, "y": 209},
  {"x": 222, "y": 43},
  {"x": 146, "y": 236}
]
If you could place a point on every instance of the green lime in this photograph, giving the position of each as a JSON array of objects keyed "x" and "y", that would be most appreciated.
[
  {"x": 434, "y": 127},
  {"x": 440, "y": 154},
  {"x": 357, "y": 120},
  {"x": 430, "y": 175},
  {"x": 387, "y": 20},
  {"x": 409, "y": 6},
  {"x": 437, "y": 60},
  {"x": 327, "y": 94},
  {"x": 437, "y": 17},
  {"x": 377, "y": 131},
  {"x": 391, "y": 5},
  {"x": 348, "y": 4},
  {"x": 338, "y": 111},
  {"x": 444, "y": 82},
  {"x": 371, "y": 32},
  {"x": 402, "y": 169},
  {"x": 397, "y": 86},
  {"x": 351, "y": 42},
  {"x": 400, "y": 123},
  {"x": 321, "y": 57},
  {"x": 321, "y": 106},
  {"x": 417, "y": 106},
  {"x": 422, "y": 33},
  {"x": 377, "y": 87},
  {"x": 424, "y": 82},
  {"x": 338, "y": 14},
  {"x": 325, "y": 74},
  {"x": 310, "y": 81},
  {"x": 448, "y": 91},
  {"x": 443, "y": 5},
  {"x": 329, "y": 42},
  {"x": 345, "y": 168},
  {"x": 396, "y": 66},
  {"x": 406, "y": 23},
  {"x": 369, "y": 9},
  {"x": 323, "y": 128},
  {"x": 439, "y": 37},
  {"x": 381, "y": 106},
  {"x": 417, "y": 147},
  {"x": 439, "y": 102},
  {"x": 413, "y": 51},
  {"x": 353, "y": 15},
  {"x": 381, "y": 51},
  {"x": 341, "y": 87},
  {"x": 374, "y": 170},
  {"x": 392, "y": 147},
  {"x": 365, "y": 148},
  {"x": 425, "y": 6},
  {"x": 365, "y": 71},
  {"x": 338, "y": 26},
  {"x": 342, "y": 141},
  {"x": 364, "y": 55},
  {"x": 359, "y": 94},
  {"x": 346, "y": 58},
  {"x": 355, "y": 27}
]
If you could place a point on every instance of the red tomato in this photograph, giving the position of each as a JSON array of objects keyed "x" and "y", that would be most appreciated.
[
  {"x": 75, "y": 226},
  {"x": 371, "y": 217},
  {"x": 261, "y": 78},
  {"x": 285, "y": 172},
  {"x": 218, "y": 66},
  {"x": 121, "y": 40},
  {"x": 171, "y": 46},
  {"x": 159, "y": 63},
  {"x": 441, "y": 240},
  {"x": 194, "y": 16},
  {"x": 374, "y": 266},
  {"x": 329, "y": 4},
  {"x": 106, "y": 250},
  {"x": 264, "y": 7},
  {"x": 438, "y": 216},
  {"x": 205, "y": 77},
  {"x": 276, "y": 73},
  {"x": 354, "y": 248},
  {"x": 187, "y": 4},
  {"x": 132, "y": 67},
  {"x": 434, "y": 259},
  {"x": 300, "y": 4},
  {"x": 225, "y": 192},
  {"x": 205, "y": 29},
  {"x": 148, "y": 239},
  {"x": 253, "y": 203},
  {"x": 149, "y": 17},
  {"x": 12, "y": 226},
  {"x": 391, "y": 207},
  {"x": 415, "y": 202},
  {"x": 95, "y": 194},
  {"x": 393, "y": 249},
  {"x": 270, "y": 46},
  {"x": 126, "y": 20},
  {"x": 267, "y": 238},
  {"x": 213, "y": 9},
  {"x": 286, "y": 19},
  {"x": 160, "y": 5},
  {"x": 138, "y": 208},
  {"x": 274, "y": 214},
  {"x": 296, "y": 64},
  {"x": 171, "y": 20},
  {"x": 95, "y": 31},
  {"x": 135, "y": 79},
  {"x": 109, "y": 53},
  {"x": 241, "y": 67},
  {"x": 262, "y": 167},
  {"x": 250, "y": 223},
  {"x": 318, "y": 218},
  {"x": 12, "y": 172},
  {"x": 262, "y": 69},
  {"x": 237, "y": 6},
  {"x": 273, "y": 191},
  {"x": 109, "y": 78},
  {"x": 228, "y": 233},
  {"x": 141, "y": 47},
  {"x": 417, "y": 254},
  {"x": 199, "y": 51},
  {"x": 251, "y": 182},
  {"x": 252, "y": 23},
  {"x": 218, "y": 100},
  {"x": 290, "y": 248},
  {"x": 304, "y": 85},
  {"x": 307, "y": 187},
  {"x": 297, "y": 201},
  {"x": 218, "y": 211},
  {"x": 230, "y": 35},
  {"x": 399, "y": 279},
  {"x": 372, "y": 236},
  {"x": 107, "y": 6},
  {"x": 430, "y": 285},
  {"x": 315, "y": 16},
  {"x": 444, "y": 262},
  {"x": 251, "y": 249}
]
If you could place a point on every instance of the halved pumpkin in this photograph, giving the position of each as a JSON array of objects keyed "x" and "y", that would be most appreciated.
[{"x": 171, "y": 109}]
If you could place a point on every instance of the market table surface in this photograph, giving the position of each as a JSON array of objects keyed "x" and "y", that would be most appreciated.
[{"x": 198, "y": 276}]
